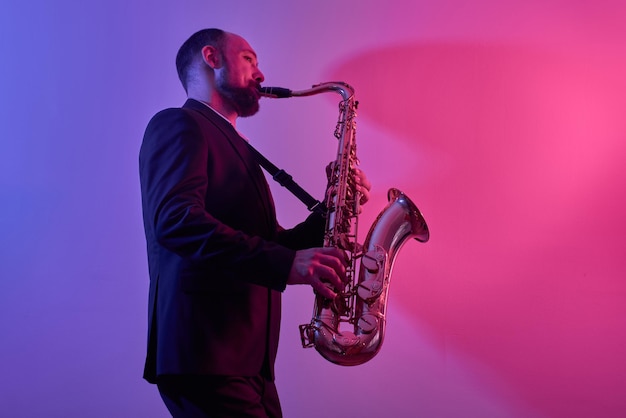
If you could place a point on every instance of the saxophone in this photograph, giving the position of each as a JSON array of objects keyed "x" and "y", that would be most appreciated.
[{"x": 350, "y": 329}]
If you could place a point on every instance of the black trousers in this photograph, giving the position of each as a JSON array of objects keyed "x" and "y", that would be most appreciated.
[{"x": 219, "y": 396}]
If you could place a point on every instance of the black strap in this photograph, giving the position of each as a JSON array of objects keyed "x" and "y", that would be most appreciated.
[{"x": 285, "y": 180}]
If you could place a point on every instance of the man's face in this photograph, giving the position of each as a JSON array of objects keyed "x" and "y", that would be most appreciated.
[{"x": 239, "y": 78}]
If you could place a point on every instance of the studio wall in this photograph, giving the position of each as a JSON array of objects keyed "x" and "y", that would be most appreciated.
[{"x": 503, "y": 121}]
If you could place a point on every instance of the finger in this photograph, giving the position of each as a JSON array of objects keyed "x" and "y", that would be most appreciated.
[
  {"x": 362, "y": 180},
  {"x": 338, "y": 260},
  {"x": 364, "y": 194},
  {"x": 336, "y": 253},
  {"x": 328, "y": 275},
  {"x": 324, "y": 290},
  {"x": 330, "y": 168}
]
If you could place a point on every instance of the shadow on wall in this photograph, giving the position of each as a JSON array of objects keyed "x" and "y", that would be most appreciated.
[{"x": 522, "y": 186}]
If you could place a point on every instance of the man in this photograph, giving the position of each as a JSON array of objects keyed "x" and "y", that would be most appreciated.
[{"x": 218, "y": 259}]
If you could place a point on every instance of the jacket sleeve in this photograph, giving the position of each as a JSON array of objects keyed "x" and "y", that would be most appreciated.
[
  {"x": 174, "y": 181},
  {"x": 307, "y": 234}
]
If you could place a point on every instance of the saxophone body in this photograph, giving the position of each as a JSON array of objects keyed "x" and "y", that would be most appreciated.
[{"x": 349, "y": 330}]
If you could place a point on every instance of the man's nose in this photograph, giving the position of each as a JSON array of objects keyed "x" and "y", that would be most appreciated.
[{"x": 258, "y": 76}]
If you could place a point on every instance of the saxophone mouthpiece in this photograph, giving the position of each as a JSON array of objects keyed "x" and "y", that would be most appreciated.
[{"x": 275, "y": 92}]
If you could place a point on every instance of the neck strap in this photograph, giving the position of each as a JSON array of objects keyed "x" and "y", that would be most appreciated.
[{"x": 285, "y": 180}]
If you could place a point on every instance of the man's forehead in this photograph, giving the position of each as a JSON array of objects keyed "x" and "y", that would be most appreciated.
[{"x": 236, "y": 43}]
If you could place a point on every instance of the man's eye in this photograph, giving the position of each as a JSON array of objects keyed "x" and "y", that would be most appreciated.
[{"x": 249, "y": 59}]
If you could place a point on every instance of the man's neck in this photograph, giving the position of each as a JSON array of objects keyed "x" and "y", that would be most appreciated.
[
  {"x": 216, "y": 111},
  {"x": 218, "y": 106}
]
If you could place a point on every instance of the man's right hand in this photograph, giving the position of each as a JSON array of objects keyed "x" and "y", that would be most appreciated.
[{"x": 322, "y": 268}]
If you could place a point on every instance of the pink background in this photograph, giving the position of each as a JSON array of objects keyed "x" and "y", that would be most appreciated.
[{"x": 503, "y": 120}]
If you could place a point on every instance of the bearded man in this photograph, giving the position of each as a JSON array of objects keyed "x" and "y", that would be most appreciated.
[{"x": 218, "y": 259}]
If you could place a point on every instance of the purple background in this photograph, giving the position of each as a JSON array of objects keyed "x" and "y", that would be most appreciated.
[{"x": 503, "y": 120}]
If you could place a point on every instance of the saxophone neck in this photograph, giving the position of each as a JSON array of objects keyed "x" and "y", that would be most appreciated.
[{"x": 344, "y": 89}]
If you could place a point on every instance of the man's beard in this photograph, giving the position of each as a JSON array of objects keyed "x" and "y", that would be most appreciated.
[{"x": 245, "y": 100}]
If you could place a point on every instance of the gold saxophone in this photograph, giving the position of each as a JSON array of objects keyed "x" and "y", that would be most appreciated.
[{"x": 361, "y": 306}]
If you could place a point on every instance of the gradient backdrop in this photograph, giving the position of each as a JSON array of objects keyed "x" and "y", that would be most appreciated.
[{"x": 503, "y": 120}]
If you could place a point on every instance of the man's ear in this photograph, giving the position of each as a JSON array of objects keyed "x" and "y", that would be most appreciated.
[{"x": 211, "y": 56}]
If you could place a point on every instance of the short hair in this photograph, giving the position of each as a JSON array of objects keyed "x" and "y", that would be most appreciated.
[{"x": 190, "y": 49}]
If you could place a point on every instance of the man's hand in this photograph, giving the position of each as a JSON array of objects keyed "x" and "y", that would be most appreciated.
[
  {"x": 363, "y": 185},
  {"x": 359, "y": 182},
  {"x": 322, "y": 268}
]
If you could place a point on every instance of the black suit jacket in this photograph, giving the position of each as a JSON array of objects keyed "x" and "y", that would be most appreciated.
[{"x": 217, "y": 257}]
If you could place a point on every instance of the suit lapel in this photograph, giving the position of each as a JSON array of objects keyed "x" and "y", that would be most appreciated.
[{"x": 241, "y": 148}]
